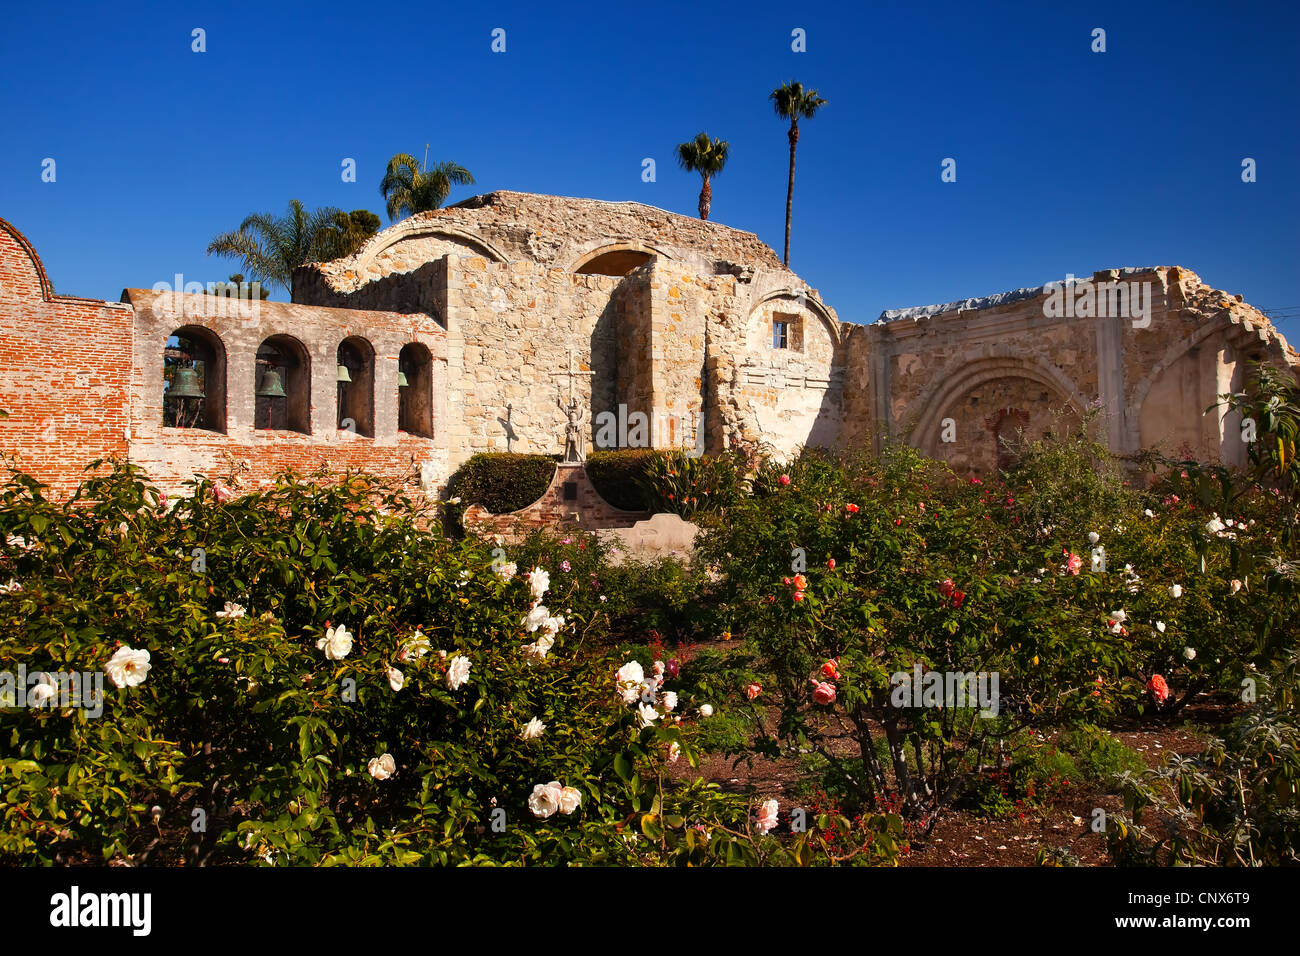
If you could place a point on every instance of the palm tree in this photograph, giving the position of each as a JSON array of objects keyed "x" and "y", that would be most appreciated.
[
  {"x": 705, "y": 156},
  {"x": 270, "y": 248},
  {"x": 409, "y": 188},
  {"x": 794, "y": 103}
]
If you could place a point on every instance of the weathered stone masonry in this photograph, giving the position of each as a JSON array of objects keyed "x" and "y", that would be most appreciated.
[{"x": 672, "y": 317}]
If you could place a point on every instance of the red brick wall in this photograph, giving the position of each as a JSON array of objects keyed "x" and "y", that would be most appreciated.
[
  {"x": 64, "y": 367},
  {"x": 83, "y": 379}
]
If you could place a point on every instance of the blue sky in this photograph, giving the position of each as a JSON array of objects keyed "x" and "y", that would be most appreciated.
[{"x": 1067, "y": 160}]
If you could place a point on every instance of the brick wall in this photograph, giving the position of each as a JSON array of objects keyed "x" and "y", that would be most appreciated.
[{"x": 64, "y": 367}]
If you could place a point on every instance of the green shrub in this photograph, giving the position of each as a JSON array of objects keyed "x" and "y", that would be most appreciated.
[
  {"x": 277, "y": 733},
  {"x": 501, "y": 482},
  {"x": 619, "y": 476}
]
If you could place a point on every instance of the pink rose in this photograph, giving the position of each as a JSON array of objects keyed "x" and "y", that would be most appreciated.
[
  {"x": 785, "y": 479},
  {"x": 823, "y": 692}
]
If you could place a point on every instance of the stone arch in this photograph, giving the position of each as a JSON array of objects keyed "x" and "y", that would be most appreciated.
[
  {"x": 418, "y": 228},
  {"x": 961, "y": 375},
  {"x": 621, "y": 256},
  {"x": 290, "y": 361},
  {"x": 355, "y": 402},
  {"x": 1182, "y": 346},
  {"x": 200, "y": 349},
  {"x": 805, "y": 301},
  {"x": 415, "y": 397}
]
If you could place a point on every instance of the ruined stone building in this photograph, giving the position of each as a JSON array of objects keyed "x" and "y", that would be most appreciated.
[{"x": 453, "y": 332}]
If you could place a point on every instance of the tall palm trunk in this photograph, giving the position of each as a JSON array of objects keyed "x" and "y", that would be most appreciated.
[
  {"x": 793, "y": 136},
  {"x": 706, "y": 199}
]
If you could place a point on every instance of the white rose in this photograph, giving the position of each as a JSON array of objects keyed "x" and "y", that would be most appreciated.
[
  {"x": 507, "y": 570},
  {"x": 1189, "y": 653},
  {"x": 42, "y": 692},
  {"x": 1214, "y": 525},
  {"x": 674, "y": 751},
  {"x": 570, "y": 800},
  {"x": 1160, "y": 626},
  {"x": 659, "y": 668},
  {"x": 395, "y": 678},
  {"x": 706, "y": 710},
  {"x": 1119, "y": 615},
  {"x": 383, "y": 767},
  {"x": 417, "y": 646},
  {"x": 1176, "y": 591},
  {"x": 533, "y": 729},
  {"x": 552, "y": 625},
  {"x": 536, "y": 617},
  {"x": 539, "y": 581},
  {"x": 545, "y": 799},
  {"x": 458, "y": 672},
  {"x": 337, "y": 643},
  {"x": 630, "y": 673},
  {"x": 647, "y": 714},
  {"x": 670, "y": 700},
  {"x": 128, "y": 667},
  {"x": 767, "y": 818},
  {"x": 1093, "y": 537},
  {"x": 232, "y": 611},
  {"x": 1235, "y": 586}
]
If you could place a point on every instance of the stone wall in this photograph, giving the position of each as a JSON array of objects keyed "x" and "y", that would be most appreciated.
[{"x": 173, "y": 455}]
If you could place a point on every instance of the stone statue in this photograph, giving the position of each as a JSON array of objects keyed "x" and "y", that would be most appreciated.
[{"x": 573, "y": 443}]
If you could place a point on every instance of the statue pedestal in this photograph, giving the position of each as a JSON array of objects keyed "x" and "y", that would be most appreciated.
[{"x": 569, "y": 502}]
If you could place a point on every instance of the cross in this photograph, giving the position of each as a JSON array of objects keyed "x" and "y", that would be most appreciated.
[{"x": 571, "y": 373}]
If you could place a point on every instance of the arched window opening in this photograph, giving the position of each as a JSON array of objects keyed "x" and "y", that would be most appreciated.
[
  {"x": 194, "y": 380},
  {"x": 415, "y": 390},
  {"x": 282, "y": 380},
  {"x": 356, "y": 386}
]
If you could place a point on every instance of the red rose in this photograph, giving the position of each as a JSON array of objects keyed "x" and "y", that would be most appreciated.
[
  {"x": 798, "y": 595},
  {"x": 851, "y": 509},
  {"x": 946, "y": 587},
  {"x": 831, "y": 670},
  {"x": 753, "y": 690},
  {"x": 1159, "y": 689},
  {"x": 800, "y": 582},
  {"x": 831, "y": 564},
  {"x": 958, "y": 597},
  {"x": 785, "y": 479}
]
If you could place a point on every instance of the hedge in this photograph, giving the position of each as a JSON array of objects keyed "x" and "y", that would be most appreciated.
[
  {"x": 501, "y": 482},
  {"x": 620, "y": 477}
]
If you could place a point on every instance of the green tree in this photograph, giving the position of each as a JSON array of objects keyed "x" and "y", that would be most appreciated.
[
  {"x": 351, "y": 230},
  {"x": 706, "y": 156},
  {"x": 794, "y": 103},
  {"x": 408, "y": 188},
  {"x": 270, "y": 248}
]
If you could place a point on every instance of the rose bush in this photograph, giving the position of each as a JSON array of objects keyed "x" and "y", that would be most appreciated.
[{"x": 311, "y": 675}]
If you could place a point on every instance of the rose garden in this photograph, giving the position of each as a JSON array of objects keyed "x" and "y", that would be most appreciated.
[{"x": 333, "y": 672}]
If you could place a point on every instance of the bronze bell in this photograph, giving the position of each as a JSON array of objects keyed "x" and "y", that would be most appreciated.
[
  {"x": 271, "y": 385},
  {"x": 185, "y": 384}
]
